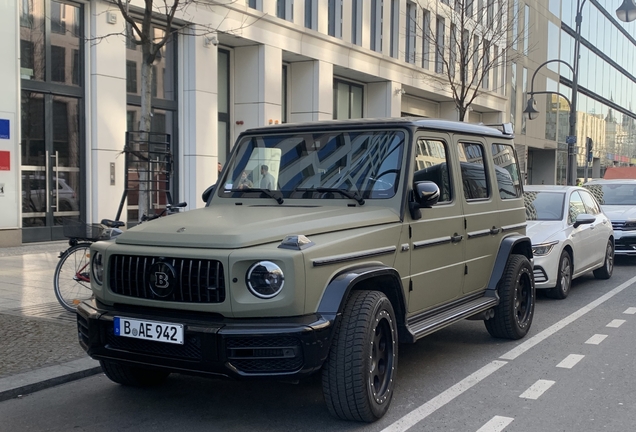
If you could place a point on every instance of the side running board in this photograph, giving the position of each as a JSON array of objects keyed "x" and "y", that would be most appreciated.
[{"x": 429, "y": 322}]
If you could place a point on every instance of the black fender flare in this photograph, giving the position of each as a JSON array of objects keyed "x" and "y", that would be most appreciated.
[
  {"x": 513, "y": 244},
  {"x": 337, "y": 291}
]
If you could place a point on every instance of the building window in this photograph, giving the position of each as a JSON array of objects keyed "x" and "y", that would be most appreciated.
[
  {"x": 284, "y": 9},
  {"x": 58, "y": 13},
  {"x": 452, "y": 61},
  {"x": 411, "y": 22},
  {"x": 486, "y": 65},
  {"x": 395, "y": 19},
  {"x": 426, "y": 37},
  {"x": 310, "y": 14},
  {"x": 284, "y": 96},
  {"x": 335, "y": 18},
  {"x": 356, "y": 22},
  {"x": 475, "y": 59},
  {"x": 524, "y": 88},
  {"x": 439, "y": 45},
  {"x": 515, "y": 23},
  {"x": 347, "y": 100},
  {"x": 495, "y": 69},
  {"x": 526, "y": 29},
  {"x": 513, "y": 94},
  {"x": 465, "y": 50},
  {"x": 75, "y": 67},
  {"x": 251, "y": 3},
  {"x": 376, "y": 25},
  {"x": 131, "y": 76},
  {"x": 58, "y": 63},
  {"x": 490, "y": 13}
]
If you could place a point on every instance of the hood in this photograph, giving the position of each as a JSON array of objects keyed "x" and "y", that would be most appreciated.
[
  {"x": 620, "y": 212},
  {"x": 231, "y": 227},
  {"x": 543, "y": 231}
]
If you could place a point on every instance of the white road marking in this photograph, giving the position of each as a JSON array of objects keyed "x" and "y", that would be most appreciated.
[
  {"x": 423, "y": 411},
  {"x": 537, "y": 389},
  {"x": 615, "y": 323},
  {"x": 596, "y": 339},
  {"x": 630, "y": 311},
  {"x": 570, "y": 361},
  {"x": 496, "y": 424},
  {"x": 534, "y": 340},
  {"x": 451, "y": 393}
]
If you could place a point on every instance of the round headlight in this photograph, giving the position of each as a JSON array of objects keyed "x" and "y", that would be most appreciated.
[
  {"x": 98, "y": 267},
  {"x": 265, "y": 279}
]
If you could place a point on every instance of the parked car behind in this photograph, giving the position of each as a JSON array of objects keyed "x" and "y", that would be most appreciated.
[
  {"x": 570, "y": 236},
  {"x": 618, "y": 200}
]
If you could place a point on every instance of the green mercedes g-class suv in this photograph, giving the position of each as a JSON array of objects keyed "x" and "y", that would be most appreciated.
[{"x": 323, "y": 246}]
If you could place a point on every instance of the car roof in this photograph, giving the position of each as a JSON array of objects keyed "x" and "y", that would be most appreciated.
[
  {"x": 549, "y": 188},
  {"x": 612, "y": 181},
  {"x": 413, "y": 123}
]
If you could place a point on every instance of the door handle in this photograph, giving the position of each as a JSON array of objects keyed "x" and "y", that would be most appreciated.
[
  {"x": 494, "y": 230},
  {"x": 455, "y": 238}
]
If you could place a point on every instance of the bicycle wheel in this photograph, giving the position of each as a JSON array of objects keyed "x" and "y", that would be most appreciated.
[{"x": 72, "y": 281}]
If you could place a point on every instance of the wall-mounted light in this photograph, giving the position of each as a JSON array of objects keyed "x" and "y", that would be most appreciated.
[{"x": 210, "y": 40}]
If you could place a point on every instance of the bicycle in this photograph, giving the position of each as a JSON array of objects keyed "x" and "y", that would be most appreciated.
[{"x": 72, "y": 278}]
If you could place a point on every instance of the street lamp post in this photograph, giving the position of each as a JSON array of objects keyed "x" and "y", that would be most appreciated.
[
  {"x": 627, "y": 11},
  {"x": 530, "y": 111}
]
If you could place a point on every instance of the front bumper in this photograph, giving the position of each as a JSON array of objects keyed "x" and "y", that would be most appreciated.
[
  {"x": 545, "y": 271},
  {"x": 624, "y": 244},
  {"x": 213, "y": 345}
]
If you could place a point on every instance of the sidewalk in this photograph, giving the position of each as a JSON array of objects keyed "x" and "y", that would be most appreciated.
[{"x": 38, "y": 346}]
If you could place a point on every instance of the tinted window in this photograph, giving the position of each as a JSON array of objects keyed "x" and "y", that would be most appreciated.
[
  {"x": 431, "y": 164},
  {"x": 543, "y": 205},
  {"x": 613, "y": 193},
  {"x": 474, "y": 180},
  {"x": 507, "y": 171},
  {"x": 576, "y": 207},
  {"x": 591, "y": 206}
]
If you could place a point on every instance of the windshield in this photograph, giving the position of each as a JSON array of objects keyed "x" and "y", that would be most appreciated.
[
  {"x": 317, "y": 165},
  {"x": 543, "y": 206},
  {"x": 614, "y": 193}
]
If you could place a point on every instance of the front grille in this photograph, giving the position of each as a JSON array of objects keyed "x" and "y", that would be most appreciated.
[
  {"x": 195, "y": 281},
  {"x": 265, "y": 354},
  {"x": 618, "y": 225},
  {"x": 539, "y": 275},
  {"x": 190, "y": 350},
  {"x": 82, "y": 329}
]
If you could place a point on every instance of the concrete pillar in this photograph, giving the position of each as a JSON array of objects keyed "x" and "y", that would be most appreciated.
[
  {"x": 384, "y": 99},
  {"x": 10, "y": 195},
  {"x": 316, "y": 104},
  {"x": 106, "y": 104},
  {"x": 199, "y": 145},
  {"x": 257, "y": 84}
]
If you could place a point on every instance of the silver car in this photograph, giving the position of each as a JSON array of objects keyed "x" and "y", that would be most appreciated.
[{"x": 618, "y": 200}]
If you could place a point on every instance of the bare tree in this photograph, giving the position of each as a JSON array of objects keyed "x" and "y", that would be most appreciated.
[
  {"x": 140, "y": 31},
  {"x": 470, "y": 40}
]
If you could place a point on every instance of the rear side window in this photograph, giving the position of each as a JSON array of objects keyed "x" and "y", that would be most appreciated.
[
  {"x": 431, "y": 162},
  {"x": 507, "y": 171},
  {"x": 471, "y": 161}
]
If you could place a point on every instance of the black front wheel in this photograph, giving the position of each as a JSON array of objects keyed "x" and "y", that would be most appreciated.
[
  {"x": 358, "y": 377},
  {"x": 514, "y": 313}
]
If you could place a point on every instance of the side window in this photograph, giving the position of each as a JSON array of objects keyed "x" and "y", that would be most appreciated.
[
  {"x": 591, "y": 205},
  {"x": 507, "y": 171},
  {"x": 471, "y": 161},
  {"x": 576, "y": 207},
  {"x": 431, "y": 162}
]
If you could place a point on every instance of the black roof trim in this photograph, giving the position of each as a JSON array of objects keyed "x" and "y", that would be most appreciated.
[{"x": 413, "y": 123}]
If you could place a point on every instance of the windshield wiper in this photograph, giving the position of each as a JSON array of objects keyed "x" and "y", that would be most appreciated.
[
  {"x": 272, "y": 194},
  {"x": 352, "y": 195}
]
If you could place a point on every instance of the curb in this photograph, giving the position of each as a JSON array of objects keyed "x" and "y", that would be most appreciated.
[{"x": 40, "y": 379}]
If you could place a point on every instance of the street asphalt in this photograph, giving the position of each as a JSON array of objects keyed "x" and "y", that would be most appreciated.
[{"x": 38, "y": 338}]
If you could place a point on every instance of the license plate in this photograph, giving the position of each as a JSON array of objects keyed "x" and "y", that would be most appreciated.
[{"x": 149, "y": 330}]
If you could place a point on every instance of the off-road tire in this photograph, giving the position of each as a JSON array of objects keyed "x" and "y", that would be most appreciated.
[
  {"x": 358, "y": 377},
  {"x": 606, "y": 271},
  {"x": 132, "y": 376},
  {"x": 564, "y": 278},
  {"x": 514, "y": 313}
]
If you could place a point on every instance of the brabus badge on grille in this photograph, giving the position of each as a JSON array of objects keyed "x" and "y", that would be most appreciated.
[
  {"x": 182, "y": 229},
  {"x": 162, "y": 277}
]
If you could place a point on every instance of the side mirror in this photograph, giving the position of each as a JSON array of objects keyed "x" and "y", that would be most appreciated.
[
  {"x": 583, "y": 219},
  {"x": 425, "y": 195},
  {"x": 206, "y": 194}
]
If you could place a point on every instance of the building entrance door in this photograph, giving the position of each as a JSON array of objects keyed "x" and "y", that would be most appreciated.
[{"x": 51, "y": 182}]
